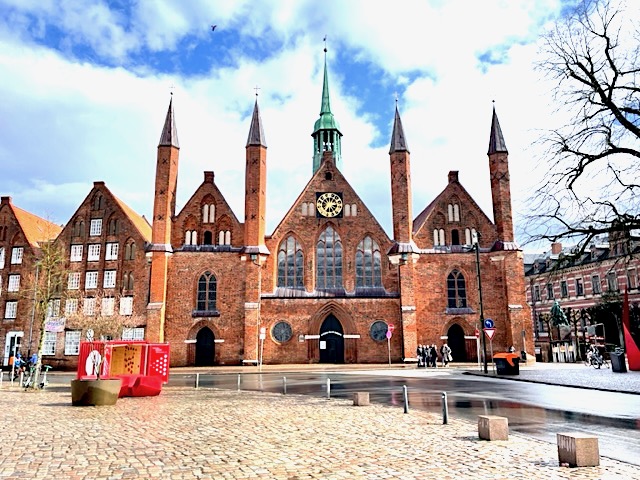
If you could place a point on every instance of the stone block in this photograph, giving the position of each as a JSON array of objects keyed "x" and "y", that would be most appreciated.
[
  {"x": 361, "y": 399},
  {"x": 493, "y": 427},
  {"x": 578, "y": 450}
]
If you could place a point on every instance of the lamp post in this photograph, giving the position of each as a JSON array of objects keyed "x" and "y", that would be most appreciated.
[{"x": 476, "y": 246}]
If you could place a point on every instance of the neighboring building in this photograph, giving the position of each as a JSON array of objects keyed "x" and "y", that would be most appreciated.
[
  {"x": 579, "y": 283},
  {"x": 21, "y": 234},
  {"x": 328, "y": 282}
]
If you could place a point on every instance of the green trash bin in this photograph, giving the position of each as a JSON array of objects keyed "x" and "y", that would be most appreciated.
[
  {"x": 507, "y": 363},
  {"x": 618, "y": 362}
]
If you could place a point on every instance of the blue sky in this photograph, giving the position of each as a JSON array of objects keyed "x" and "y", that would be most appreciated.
[{"x": 85, "y": 87}]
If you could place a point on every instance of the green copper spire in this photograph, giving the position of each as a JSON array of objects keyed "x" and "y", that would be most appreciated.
[{"x": 326, "y": 131}]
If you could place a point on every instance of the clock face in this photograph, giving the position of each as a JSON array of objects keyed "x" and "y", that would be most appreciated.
[{"x": 329, "y": 205}]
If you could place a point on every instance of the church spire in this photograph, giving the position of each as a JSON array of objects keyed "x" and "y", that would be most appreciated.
[
  {"x": 398, "y": 140},
  {"x": 326, "y": 131},
  {"x": 169, "y": 136},
  {"x": 496, "y": 140},
  {"x": 256, "y": 133},
  {"x": 500, "y": 183}
]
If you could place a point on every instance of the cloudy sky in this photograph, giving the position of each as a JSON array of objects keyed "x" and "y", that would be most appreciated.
[{"x": 86, "y": 84}]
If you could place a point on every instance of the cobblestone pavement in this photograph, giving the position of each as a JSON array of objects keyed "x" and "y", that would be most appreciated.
[{"x": 217, "y": 434}]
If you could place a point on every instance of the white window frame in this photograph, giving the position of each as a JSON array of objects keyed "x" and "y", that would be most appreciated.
[
  {"x": 91, "y": 279},
  {"x": 11, "y": 309},
  {"x": 136, "y": 333},
  {"x": 53, "y": 308},
  {"x": 111, "y": 251},
  {"x": 72, "y": 342},
  {"x": 89, "y": 306},
  {"x": 76, "y": 253},
  {"x": 109, "y": 280},
  {"x": 70, "y": 306},
  {"x": 16, "y": 255},
  {"x": 93, "y": 252},
  {"x": 13, "y": 285},
  {"x": 1, "y": 258},
  {"x": 50, "y": 339},
  {"x": 107, "y": 308},
  {"x": 73, "y": 282},
  {"x": 95, "y": 230},
  {"x": 126, "y": 305}
]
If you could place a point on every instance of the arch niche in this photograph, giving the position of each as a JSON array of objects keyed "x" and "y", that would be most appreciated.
[
  {"x": 456, "y": 341},
  {"x": 331, "y": 323}
]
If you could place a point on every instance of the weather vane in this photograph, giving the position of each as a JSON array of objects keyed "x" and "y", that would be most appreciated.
[
  {"x": 325, "y": 43},
  {"x": 256, "y": 88}
]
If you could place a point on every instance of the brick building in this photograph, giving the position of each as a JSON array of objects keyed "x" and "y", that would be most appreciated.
[{"x": 325, "y": 285}]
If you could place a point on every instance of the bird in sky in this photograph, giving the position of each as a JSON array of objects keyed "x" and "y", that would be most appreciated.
[{"x": 213, "y": 27}]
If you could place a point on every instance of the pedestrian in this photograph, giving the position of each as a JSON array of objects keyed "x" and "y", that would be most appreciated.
[
  {"x": 512, "y": 349},
  {"x": 433, "y": 355},
  {"x": 445, "y": 351},
  {"x": 419, "y": 354},
  {"x": 425, "y": 355}
]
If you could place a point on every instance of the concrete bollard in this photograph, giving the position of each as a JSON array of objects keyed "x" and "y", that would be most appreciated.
[
  {"x": 328, "y": 388},
  {"x": 197, "y": 381},
  {"x": 284, "y": 385},
  {"x": 445, "y": 409},
  {"x": 405, "y": 394},
  {"x": 361, "y": 399},
  {"x": 578, "y": 450},
  {"x": 493, "y": 427},
  {"x": 238, "y": 382}
]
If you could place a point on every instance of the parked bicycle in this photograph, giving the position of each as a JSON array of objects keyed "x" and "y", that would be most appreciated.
[{"x": 30, "y": 378}]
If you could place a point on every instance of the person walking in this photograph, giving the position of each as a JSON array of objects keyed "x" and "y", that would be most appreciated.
[
  {"x": 433, "y": 355},
  {"x": 445, "y": 351},
  {"x": 420, "y": 355}
]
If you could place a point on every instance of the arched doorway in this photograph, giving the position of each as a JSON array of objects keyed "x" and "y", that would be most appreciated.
[
  {"x": 455, "y": 339},
  {"x": 205, "y": 348},
  {"x": 332, "y": 339}
]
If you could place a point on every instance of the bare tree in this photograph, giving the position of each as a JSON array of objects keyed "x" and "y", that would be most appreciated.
[{"x": 592, "y": 56}]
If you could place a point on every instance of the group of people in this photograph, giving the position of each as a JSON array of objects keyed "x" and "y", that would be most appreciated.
[{"x": 428, "y": 355}]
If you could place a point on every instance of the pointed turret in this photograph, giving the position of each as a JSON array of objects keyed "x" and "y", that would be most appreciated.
[
  {"x": 326, "y": 131},
  {"x": 400, "y": 183},
  {"x": 169, "y": 136},
  {"x": 256, "y": 133},
  {"x": 500, "y": 182},
  {"x": 164, "y": 209}
]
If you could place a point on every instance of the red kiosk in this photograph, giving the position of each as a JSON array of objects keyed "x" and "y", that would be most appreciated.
[{"x": 142, "y": 366}]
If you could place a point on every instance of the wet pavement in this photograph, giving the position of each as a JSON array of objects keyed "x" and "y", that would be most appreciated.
[{"x": 223, "y": 434}]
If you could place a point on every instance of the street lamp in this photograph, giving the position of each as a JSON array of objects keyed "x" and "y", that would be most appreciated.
[{"x": 476, "y": 246}]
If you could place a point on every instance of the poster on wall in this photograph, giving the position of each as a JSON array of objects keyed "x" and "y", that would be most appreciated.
[{"x": 323, "y": 345}]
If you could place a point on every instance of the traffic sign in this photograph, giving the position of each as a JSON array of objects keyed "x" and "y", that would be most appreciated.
[
  {"x": 477, "y": 333},
  {"x": 390, "y": 327},
  {"x": 488, "y": 323},
  {"x": 489, "y": 332}
]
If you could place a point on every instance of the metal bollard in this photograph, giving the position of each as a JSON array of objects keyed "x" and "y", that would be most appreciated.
[
  {"x": 21, "y": 379},
  {"x": 197, "y": 381},
  {"x": 1, "y": 377},
  {"x": 406, "y": 399},
  {"x": 328, "y": 388},
  {"x": 238, "y": 382},
  {"x": 445, "y": 409},
  {"x": 284, "y": 385}
]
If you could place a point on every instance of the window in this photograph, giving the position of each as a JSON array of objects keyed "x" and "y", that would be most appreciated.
[
  {"x": 133, "y": 333},
  {"x": 96, "y": 227},
  {"x": 632, "y": 279},
  {"x": 1, "y": 257},
  {"x": 191, "y": 237},
  {"x": 329, "y": 260},
  {"x": 89, "y": 306},
  {"x": 126, "y": 305},
  {"x": 579, "y": 287},
  {"x": 93, "y": 252},
  {"x": 456, "y": 291},
  {"x": 612, "y": 281},
  {"x": 73, "y": 282},
  {"x": 378, "y": 330},
  {"x": 72, "y": 342},
  {"x": 14, "y": 283},
  {"x": 76, "y": 253},
  {"x": 208, "y": 213},
  {"x": 127, "y": 281},
  {"x": 16, "y": 255},
  {"x": 98, "y": 202},
  {"x": 53, "y": 308},
  {"x": 109, "y": 279},
  {"x": 441, "y": 239},
  {"x": 595, "y": 285},
  {"x": 207, "y": 292},
  {"x": 208, "y": 238},
  {"x": 49, "y": 343},
  {"x": 114, "y": 226},
  {"x": 290, "y": 264},
  {"x": 111, "y": 252},
  {"x": 224, "y": 237},
  {"x": 564, "y": 290},
  {"x": 130, "y": 251},
  {"x": 78, "y": 228},
  {"x": 368, "y": 264},
  {"x": 10, "y": 309},
  {"x": 71, "y": 306},
  {"x": 108, "y": 306},
  {"x": 455, "y": 237},
  {"x": 550, "y": 291},
  {"x": 91, "y": 280},
  {"x": 282, "y": 332},
  {"x": 536, "y": 293}
]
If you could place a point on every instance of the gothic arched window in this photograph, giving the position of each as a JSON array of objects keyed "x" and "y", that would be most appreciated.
[
  {"x": 368, "y": 264},
  {"x": 456, "y": 291},
  {"x": 206, "y": 299},
  {"x": 290, "y": 264},
  {"x": 329, "y": 260}
]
